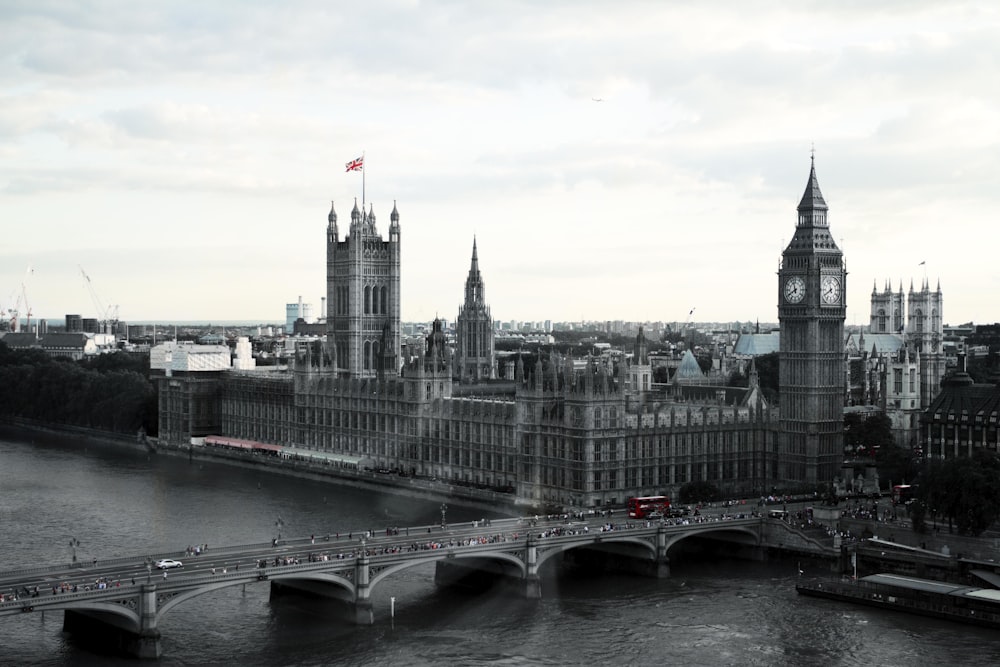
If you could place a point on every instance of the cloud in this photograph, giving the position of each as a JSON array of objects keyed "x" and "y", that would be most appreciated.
[{"x": 228, "y": 125}]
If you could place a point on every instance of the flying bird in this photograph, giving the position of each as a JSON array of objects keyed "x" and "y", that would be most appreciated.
[{"x": 597, "y": 99}]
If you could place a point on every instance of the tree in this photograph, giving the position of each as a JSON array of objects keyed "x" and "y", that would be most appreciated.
[
  {"x": 699, "y": 492},
  {"x": 868, "y": 434},
  {"x": 767, "y": 375},
  {"x": 963, "y": 490},
  {"x": 704, "y": 362},
  {"x": 118, "y": 397}
]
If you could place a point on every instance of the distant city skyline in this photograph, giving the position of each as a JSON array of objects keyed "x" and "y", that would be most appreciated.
[{"x": 614, "y": 161}]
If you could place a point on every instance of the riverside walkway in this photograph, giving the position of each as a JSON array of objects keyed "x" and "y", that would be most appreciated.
[{"x": 128, "y": 596}]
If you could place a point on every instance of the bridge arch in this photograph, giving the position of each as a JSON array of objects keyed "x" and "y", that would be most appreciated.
[
  {"x": 324, "y": 577},
  {"x": 126, "y": 610},
  {"x": 631, "y": 544},
  {"x": 447, "y": 555},
  {"x": 751, "y": 535}
]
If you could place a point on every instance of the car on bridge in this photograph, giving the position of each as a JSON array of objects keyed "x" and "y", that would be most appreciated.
[{"x": 168, "y": 564}]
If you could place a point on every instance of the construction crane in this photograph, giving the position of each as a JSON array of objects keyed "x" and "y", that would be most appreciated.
[
  {"x": 107, "y": 317},
  {"x": 14, "y": 312},
  {"x": 687, "y": 322}
]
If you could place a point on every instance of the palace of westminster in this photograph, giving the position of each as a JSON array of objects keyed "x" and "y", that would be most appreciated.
[{"x": 576, "y": 432}]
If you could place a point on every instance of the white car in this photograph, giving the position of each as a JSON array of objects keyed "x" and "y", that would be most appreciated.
[{"x": 168, "y": 564}]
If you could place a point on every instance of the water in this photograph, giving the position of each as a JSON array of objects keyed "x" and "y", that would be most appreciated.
[{"x": 118, "y": 502}]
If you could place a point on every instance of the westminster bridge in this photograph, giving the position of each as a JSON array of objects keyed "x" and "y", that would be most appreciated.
[{"x": 124, "y": 598}]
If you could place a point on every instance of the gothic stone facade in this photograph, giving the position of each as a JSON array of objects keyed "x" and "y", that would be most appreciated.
[{"x": 574, "y": 438}]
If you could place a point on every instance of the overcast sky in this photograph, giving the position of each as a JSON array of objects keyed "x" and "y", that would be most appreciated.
[{"x": 183, "y": 155}]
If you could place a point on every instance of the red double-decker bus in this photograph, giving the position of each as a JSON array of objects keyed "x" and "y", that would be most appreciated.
[{"x": 647, "y": 507}]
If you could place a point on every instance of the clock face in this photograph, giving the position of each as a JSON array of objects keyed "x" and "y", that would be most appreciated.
[
  {"x": 830, "y": 290},
  {"x": 795, "y": 289}
]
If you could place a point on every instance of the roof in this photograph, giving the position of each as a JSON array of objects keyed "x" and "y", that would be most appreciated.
[
  {"x": 46, "y": 341},
  {"x": 966, "y": 402},
  {"x": 913, "y": 584},
  {"x": 812, "y": 198},
  {"x": 991, "y": 578},
  {"x": 689, "y": 367},
  {"x": 699, "y": 393},
  {"x": 756, "y": 344},
  {"x": 882, "y": 343},
  {"x": 328, "y": 457}
]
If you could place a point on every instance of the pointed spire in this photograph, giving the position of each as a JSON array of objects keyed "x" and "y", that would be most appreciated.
[
  {"x": 475, "y": 256},
  {"x": 812, "y": 198},
  {"x": 332, "y": 217},
  {"x": 394, "y": 216},
  {"x": 355, "y": 213}
]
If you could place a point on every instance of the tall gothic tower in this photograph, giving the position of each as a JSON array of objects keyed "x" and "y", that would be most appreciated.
[
  {"x": 474, "y": 350},
  {"x": 812, "y": 282},
  {"x": 887, "y": 310},
  {"x": 925, "y": 333},
  {"x": 362, "y": 295}
]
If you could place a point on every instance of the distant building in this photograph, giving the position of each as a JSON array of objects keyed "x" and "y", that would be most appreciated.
[
  {"x": 298, "y": 311},
  {"x": 964, "y": 416},
  {"x": 173, "y": 357},
  {"x": 70, "y": 345}
]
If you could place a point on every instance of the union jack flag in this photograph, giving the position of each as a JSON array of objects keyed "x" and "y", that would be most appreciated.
[{"x": 356, "y": 164}]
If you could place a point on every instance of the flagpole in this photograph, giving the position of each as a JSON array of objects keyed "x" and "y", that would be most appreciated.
[{"x": 362, "y": 181}]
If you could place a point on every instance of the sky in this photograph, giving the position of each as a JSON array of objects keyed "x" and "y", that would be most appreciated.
[{"x": 618, "y": 160}]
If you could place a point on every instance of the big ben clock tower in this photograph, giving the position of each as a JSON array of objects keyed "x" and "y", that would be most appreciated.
[{"x": 812, "y": 282}]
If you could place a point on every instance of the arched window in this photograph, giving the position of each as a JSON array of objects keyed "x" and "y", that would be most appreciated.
[
  {"x": 385, "y": 300},
  {"x": 376, "y": 360},
  {"x": 367, "y": 354},
  {"x": 882, "y": 320},
  {"x": 368, "y": 300}
]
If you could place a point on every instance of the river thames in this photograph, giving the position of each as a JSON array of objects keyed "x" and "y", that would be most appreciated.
[{"x": 118, "y": 502}]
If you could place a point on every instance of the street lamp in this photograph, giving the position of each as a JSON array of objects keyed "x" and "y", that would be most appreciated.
[
  {"x": 444, "y": 508},
  {"x": 279, "y": 524},
  {"x": 149, "y": 571},
  {"x": 73, "y": 544}
]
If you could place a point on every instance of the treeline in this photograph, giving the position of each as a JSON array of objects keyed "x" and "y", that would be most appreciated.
[
  {"x": 111, "y": 392},
  {"x": 963, "y": 490}
]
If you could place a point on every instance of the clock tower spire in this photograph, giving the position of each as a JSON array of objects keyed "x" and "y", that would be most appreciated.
[{"x": 812, "y": 281}]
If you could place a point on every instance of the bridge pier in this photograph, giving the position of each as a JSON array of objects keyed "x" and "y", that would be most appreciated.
[
  {"x": 363, "y": 613},
  {"x": 661, "y": 566},
  {"x": 532, "y": 587},
  {"x": 532, "y": 582},
  {"x": 104, "y": 630}
]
